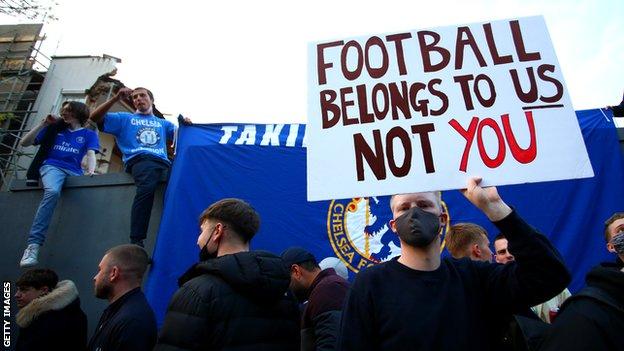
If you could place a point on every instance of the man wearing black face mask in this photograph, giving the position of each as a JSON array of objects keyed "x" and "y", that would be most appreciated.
[
  {"x": 593, "y": 318},
  {"x": 232, "y": 298},
  {"x": 422, "y": 302}
]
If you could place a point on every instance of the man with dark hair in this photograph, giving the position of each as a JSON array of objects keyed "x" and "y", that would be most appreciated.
[
  {"x": 468, "y": 240},
  {"x": 128, "y": 323},
  {"x": 419, "y": 301},
  {"x": 501, "y": 253},
  {"x": 545, "y": 310},
  {"x": 64, "y": 142},
  {"x": 613, "y": 226},
  {"x": 324, "y": 292},
  {"x": 593, "y": 319},
  {"x": 50, "y": 317},
  {"x": 141, "y": 137},
  {"x": 233, "y": 298}
]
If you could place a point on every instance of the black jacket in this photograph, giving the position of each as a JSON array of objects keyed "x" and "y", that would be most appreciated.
[
  {"x": 592, "y": 319},
  {"x": 234, "y": 302},
  {"x": 46, "y": 143},
  {"x": 126, "y": 324},
  {"x": 53, "y": 321}
]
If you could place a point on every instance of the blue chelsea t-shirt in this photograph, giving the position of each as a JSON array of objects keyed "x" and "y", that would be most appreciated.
[
  {"x": 139, "y": 134},
  {"x": 69, "y": 148}
]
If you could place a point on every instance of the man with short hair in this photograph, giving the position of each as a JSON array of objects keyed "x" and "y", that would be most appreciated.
[
  {"x": 547, "y": 310},
  {"x": 233, "y": 298},
  {"x": 593, "y": 318},
  {"x": 325, "y": 292},
  {"x": 613, "y": 226},
  {"x": 501, "y": 253},
  {"x": 49, "y": 317},
  {"x": 419, "y": 301},
  {"x": 468, "y": 240},
  {"x": 142, "y": 138},
  {"x": 128, "y": 323}
]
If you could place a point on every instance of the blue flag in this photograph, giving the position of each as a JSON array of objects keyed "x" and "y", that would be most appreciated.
[{"x": 265, "y": 165}]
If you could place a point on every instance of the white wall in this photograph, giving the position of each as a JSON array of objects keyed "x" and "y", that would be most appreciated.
[{"x": 68, "y": 74}]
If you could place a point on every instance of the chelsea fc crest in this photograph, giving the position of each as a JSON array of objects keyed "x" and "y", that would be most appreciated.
[
  {"x": 147, "y": 136},
  {"x": 359, "y": 231}
]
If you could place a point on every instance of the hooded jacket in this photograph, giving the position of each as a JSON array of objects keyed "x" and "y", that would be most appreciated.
[
  {"x": 53, "y": 321},
  {"x": 236, "y": 301},
  {"x": 593, "y": 319}
]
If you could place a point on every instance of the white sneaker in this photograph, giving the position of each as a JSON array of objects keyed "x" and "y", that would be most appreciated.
[{"x": 30, "y": 256}]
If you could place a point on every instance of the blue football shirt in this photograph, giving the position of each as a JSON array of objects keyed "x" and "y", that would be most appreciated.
[
  {"x": 69, "y": 148},
  {"x": 139, "y": 134}
]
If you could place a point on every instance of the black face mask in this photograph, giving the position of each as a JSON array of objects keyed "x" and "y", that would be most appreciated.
[
  {"x": 417, "y": 228},
  {"x": 204, "y": 255}
]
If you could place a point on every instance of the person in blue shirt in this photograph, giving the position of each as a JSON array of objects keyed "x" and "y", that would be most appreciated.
[
  {"x": 142, "y": 139},
  {"x": 70, "y": 142}
]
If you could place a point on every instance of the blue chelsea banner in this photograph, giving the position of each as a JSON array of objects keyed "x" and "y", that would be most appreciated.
[{"x": 265, "y": 165}]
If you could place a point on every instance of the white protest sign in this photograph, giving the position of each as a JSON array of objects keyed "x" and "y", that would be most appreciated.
[{"x": 423, "y": 110}]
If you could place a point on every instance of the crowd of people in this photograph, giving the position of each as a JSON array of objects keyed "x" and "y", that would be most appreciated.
[{"x": 235, "y": 298}]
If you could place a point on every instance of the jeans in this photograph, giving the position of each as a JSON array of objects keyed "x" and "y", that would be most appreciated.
[
  {"x": 147, "y": 172},
  {"x": 53, "y": 179}
]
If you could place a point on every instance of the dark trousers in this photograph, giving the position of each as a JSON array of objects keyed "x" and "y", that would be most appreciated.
[{"x": 147, "y": 172}]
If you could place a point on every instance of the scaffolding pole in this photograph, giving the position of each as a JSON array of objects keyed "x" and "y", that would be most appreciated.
[{"x": 19, "y": 87}]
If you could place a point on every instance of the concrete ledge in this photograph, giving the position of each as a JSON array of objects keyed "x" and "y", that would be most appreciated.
[{"x": 110, "y": 179}]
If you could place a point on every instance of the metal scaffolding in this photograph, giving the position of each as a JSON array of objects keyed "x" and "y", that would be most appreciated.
[{"x": 22, "y": 71}]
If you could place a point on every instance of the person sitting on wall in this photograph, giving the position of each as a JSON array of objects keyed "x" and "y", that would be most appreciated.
[
  {"x": 141, "y": 137},
  {"x": 49, "y": 317},
  {"x": 64, "y": 142}
]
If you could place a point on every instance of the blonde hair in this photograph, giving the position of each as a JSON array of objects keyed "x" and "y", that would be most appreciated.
[
  {"x": 462, "y": 236},
  {"x": 436, "y": 194}
]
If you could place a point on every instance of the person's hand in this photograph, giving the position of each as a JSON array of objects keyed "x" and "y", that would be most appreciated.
[
  {"x": 49, "y": 119},
  {"x": 123, "y": 93},
  {"x": 486, "y": 199}
]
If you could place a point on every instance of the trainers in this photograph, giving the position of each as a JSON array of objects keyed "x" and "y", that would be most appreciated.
[{"x": 29, "y": 258}]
